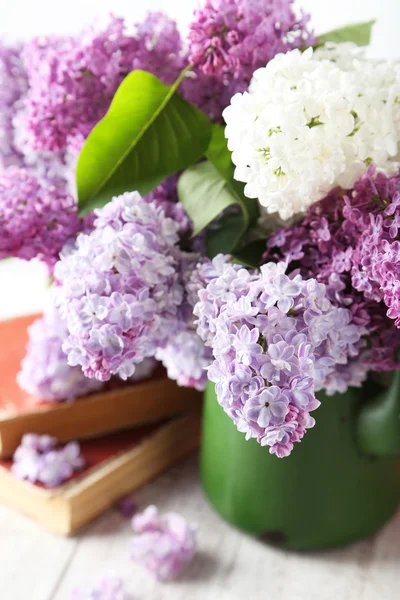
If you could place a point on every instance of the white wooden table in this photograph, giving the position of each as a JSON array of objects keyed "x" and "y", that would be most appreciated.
[{"x": 36, "y": 565}]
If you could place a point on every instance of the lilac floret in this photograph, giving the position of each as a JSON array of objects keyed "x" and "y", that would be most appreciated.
[
  {"x": 164, "y": 544},
  {"x": 39, "y": 459},
  {"x": 109, "y": 587}
]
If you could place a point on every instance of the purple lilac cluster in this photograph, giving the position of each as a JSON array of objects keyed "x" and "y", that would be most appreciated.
[
  {"x": 164, "y": 544},
  {"x": 230, "y": 39},
  {"x": 39, "y": 459},
  {"x": 13, "y": 85},
  {"x": 276, "y": 340},
  {"x": 120, "y": 287},
  {"x": 45, "y": 372},
  {"x": 15, "y": 148},
  {"x": 352, "y": 238},
  {"x": 35, "y": 219},
  {"x": 72, "y": 80}
]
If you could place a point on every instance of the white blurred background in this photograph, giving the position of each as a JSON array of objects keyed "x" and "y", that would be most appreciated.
[
  {"x": 23, "y": 285},
  {"x": 24, "y": 18}
]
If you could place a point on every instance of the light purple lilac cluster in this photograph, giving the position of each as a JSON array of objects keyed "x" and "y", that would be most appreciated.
[
  {"x": 40, "y": 460},
  {"x": 276, "y": 340},
  {"x": 352, "y": 238},
  {"x": 109, "y": 587},
  {"x": 165, "y": 196},
  {"x": 164, "y": 544},
  {"x": 36, "y": 219},
  {"x": 13, "y": 85},
  {"x": 185, "y": 355},
  {"x": 45, "y": 372},
  {"x": 72, "y": 80},
  {"x": 230, "y": 39},
  {"x": 120, "y": 289}
]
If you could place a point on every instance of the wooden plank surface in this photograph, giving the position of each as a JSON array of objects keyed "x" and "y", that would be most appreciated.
[{"x": 230, "y": 565}]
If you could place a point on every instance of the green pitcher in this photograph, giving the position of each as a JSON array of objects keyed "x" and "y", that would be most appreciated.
[{"x": 341, "y": 483}]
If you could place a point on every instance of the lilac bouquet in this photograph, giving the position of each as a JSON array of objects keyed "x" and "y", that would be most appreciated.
[{"x": 225, "y": 202}]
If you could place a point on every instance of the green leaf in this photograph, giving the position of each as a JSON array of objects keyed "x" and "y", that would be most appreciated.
[
  {"x": 359, "y": 33},
  {"x": 206, "y": 190},
  {"x": 221, "y": 158},
  {"x": 148, "y": 133},
  {"x": 226, "y": 236},
  {"x": 219, "y": 155},
  {"x": 205, "y": 194},
  {"x": 251, "y": 254}
]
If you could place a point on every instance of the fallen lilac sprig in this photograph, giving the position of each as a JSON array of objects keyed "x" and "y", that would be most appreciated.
[
  {"x": 109, "y": 587},
  {"x": 164, "y": 544},
  {"x": 39, "y": 459},
  {"x": 127, "y": 506}
]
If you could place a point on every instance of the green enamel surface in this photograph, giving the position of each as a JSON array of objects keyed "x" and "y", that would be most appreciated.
[
  {"x": 378, "y": 422},
  {"x": 326, "y": 493}
]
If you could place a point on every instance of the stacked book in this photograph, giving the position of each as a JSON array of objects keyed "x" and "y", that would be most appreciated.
[{"x": 129, "y": 434}]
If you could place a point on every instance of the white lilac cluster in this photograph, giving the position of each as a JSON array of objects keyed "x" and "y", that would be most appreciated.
[
  {"x": 39, "y": 459},
  {"x": 122, "y": 295},
  {"x": 276, "y": 340},
  {"x": 312, "y": 121},
  {"x": 164, "y": 544}
]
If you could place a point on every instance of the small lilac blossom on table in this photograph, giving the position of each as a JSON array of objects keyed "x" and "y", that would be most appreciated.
[
  {"x": 39, "y": 459},
  {"x": 164, "y": 544},
  {"x": 127, "y": 506},
  {"x": 109, "y": 587}
]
